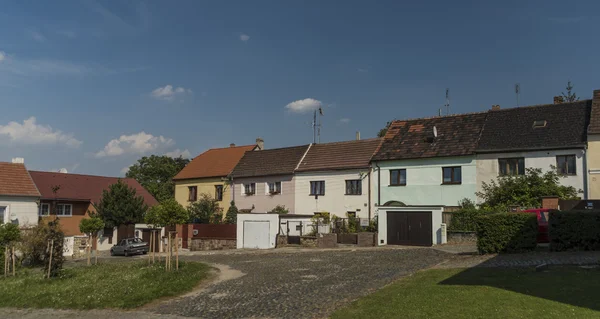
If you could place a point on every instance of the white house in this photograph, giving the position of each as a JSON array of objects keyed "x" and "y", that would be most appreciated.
[
  {"x": 336, "y": 178},
  {"x": 19, "y": 196}
]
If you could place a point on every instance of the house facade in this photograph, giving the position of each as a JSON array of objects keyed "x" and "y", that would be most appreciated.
[
  {"x": 18, "y": 195},
  {"x": 265, "y": 179},
  {"x": 208, "y": 174},
  {"x": 593, "y": 151},
  {"x": 336, "y": 178}
]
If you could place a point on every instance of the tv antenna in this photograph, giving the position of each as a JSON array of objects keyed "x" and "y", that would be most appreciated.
[
  {"x": 517, "y": 91},
  {"x": 447, "y": 105},
  {"x": 317, "y": 126}
]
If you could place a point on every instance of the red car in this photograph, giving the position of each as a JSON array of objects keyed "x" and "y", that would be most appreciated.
[{"x": 542, "y": 217}]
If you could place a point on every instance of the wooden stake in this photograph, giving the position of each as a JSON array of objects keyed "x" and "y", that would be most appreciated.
[
  {"x": 150, "y": 250},
  {"x": 13, "y": 260},
  {"x": 5, "y": 261},
  {"x": 176, "y": 251},
  {"x": 167, "y": 254},
  {"x": 51, "y": 253},
  {"x": 89, "y": 250},
  {"x": 96, "y": 250}
]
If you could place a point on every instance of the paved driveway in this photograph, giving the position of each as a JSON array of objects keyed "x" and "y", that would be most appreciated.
[{"x": 298, "y": 285}]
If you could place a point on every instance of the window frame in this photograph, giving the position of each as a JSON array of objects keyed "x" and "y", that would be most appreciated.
[
  {"x": 251, "y": 186},
  {"x": 321, "y": 189},
  {"x": 41, "y": 212},
  {"x": 276, "y": 189},
  {"x": 219, "y": 190},
  {"x": 452, "y": 181},
  {"x": 62, "y": 214},
  {"x": 358, "y": 187},
  {"x": 566, "y": 159},
  {"x": 507, "y": 161},
  {"x": 398, "y": 182},
  {"x": 195, "y": 192}
]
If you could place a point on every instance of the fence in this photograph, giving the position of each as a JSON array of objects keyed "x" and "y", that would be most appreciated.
[{"x": 211, "y": 231}]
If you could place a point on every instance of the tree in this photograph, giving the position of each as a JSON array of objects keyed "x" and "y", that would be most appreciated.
[
  {"x": 53, "y": 255},
  {"x": 280, "y": 209},
  {"x": 205, "y": 210},
  {"x": 9, "y": 235},
  {"x": 167, "y": 213},
  {"x": 570, "y": 96},
  {"x": 231, "y": 216},
  {"x": 120, "y": 205},
  {"x": 524, "y": 190},
  {"x": 383, "y": 131},
  {"x": 91, "y": 226},
  {"x": 156, "y": 174}
]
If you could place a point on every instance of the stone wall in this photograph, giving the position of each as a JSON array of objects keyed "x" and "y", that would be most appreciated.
[
  {"x": 308, "y": 241},
  {"x": 79, "y": 247},
  {"x": 366, "y": 239},
  {"x": 198, "y": 244},
  {"x": 327, "y": 240},
  {"x": 461, "y": 237},
  {"x": 282, "y": 241}
]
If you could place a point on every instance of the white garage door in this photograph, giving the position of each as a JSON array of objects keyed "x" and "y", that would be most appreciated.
[{"x": 256, "y": 234}]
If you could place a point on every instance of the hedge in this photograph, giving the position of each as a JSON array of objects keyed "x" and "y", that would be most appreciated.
[
  {"x": 464, "y": 220},
  {"x": 574, "y": 230},
  {"x": 506, "y": 233}
]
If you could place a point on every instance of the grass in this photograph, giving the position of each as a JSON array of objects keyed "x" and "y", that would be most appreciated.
[
  {"x": 485, "y": 293},
  {"x": 111, "y": 285}
]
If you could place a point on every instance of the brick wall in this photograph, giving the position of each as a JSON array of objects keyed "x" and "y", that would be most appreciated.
[{"x": 200, "y": 244}]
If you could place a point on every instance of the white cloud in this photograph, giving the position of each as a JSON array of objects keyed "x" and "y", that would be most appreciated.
[
  {"x": 140, "y": 143},
  {"x": 344, "y": 120},
  {"x": 244, "y": 37},
  {"x": 32, "y": 133},
  {"x": 169, "y": 93},
  {"x": 124, "y": 170},
  {"x": 176, "y": 153},
  {"x": 303, "y": 106},
  {"x": 37, "y": 36},
  {"x": 2, "y": 56},
  {"x": 67, "y": 33}
]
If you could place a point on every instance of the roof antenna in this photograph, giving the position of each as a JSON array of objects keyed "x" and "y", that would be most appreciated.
[
  {"x": 517, "y": 92},
  {"x": 317, "y": 126},
  {"x": 447, "y": 105}
]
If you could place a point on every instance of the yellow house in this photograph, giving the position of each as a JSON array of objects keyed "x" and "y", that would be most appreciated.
[
  {"x": 207, "y": 174},
  {"x": 593, "y": 152}
]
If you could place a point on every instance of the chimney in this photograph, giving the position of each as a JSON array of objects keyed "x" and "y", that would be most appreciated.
[
  {"x": 358, "y": 135},
  {"x": 558, "y": 100},
  {"x": 495, "y": 107},
  {"x": 232, "y": 145},
  {"x": 550, "y": 202},
  {"x": 18, "y": 160},
  {"x": 260, "y": 143}
]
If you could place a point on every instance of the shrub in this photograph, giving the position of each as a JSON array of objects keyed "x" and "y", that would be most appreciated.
[
  {"x": 464, "y": 219},
  {"x": 506, "y": 233},
  {"x": 280, "y": 209},
  {"x": 574, "y": 230},
  {"x": 231, "y": 216}
]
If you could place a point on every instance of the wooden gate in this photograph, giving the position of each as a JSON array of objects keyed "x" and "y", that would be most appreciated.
[
  {"x": 146, "y": 237},
  {"x": 409, "y": 228}
]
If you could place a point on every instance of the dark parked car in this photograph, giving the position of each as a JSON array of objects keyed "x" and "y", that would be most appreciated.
[{"x": 130, "y": 246}]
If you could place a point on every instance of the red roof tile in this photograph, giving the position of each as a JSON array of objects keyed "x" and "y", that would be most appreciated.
[
  {"x": 15, "y": 181},
  {"x": 339, "y": 155},
  {"x": 215, "y": 162},
  {"x": 83, "y": 187}
]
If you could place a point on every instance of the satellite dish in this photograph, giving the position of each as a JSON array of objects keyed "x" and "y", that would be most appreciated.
[
  {"x": 434, "y": 132},
  {"x": 13, "y": 216}
]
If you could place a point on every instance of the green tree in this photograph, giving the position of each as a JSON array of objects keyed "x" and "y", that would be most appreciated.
[
  {"x": 120, "y": 205},
  {"x": 9, "y": 234},
  {"x": 524, "y": 190},
  {"x": 231, "y": 216},
  {"x": 383, "y": 131},
  {"x": 91, "y": 226},
  {"x": 570, "y": 96},
  {"x": 205, "y": 209},
  {"x": 156, "y": 174},
  {"x": 56, "y": 238},
  {"x": 280, "y": 209},
  {"x": 167, "y": 213}
]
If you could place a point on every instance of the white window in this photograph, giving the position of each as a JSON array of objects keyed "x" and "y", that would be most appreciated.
[
  {"x": 64, "y": 210},
  {"x": 274, "y": 188},
  {"x": 44, "y": 209},
  {"x": 250, "y": 188}
]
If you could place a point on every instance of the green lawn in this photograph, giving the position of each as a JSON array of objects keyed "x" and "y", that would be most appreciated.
[
  {"x": 111, "y": 285},
  {"x": 566, "y": 292}
]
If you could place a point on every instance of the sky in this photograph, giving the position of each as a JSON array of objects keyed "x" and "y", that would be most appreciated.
[{"x": 91, "y": 86}]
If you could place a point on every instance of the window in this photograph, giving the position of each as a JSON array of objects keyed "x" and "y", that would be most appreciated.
[
  {"x": 44, "y": 209},
  {"x": 511, "y": 166},
  {"x": 398, "y": 177},
  {"x": 274, "y": 188},
  {"x": 354, "y": 187},
  {"x": 64, "y": 210},
  {"x": 219, "y": 192},
  {"x": 539, "y": 124},
  {"x": 451, "y": 175},
  {"x": 317, "y": 188},
  {"x": 108, "y": 233},
  {"x": 2, "y": 213},
  {"x": 250, "y": 188},
  {"x": 566, "y": 165},
  {"x": 192, "y": 193}
]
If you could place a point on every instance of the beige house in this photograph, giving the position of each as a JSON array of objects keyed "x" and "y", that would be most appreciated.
[{"x": 593, "y": 151}]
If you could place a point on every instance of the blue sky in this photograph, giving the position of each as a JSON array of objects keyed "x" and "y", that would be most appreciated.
[{"x": 91, "y": 86}]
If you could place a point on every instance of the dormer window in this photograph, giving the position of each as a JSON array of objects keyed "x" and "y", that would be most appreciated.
[{"x": 539, "y": 123}]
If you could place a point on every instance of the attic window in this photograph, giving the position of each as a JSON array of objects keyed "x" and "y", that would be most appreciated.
[{"x": 539, "y": 124}]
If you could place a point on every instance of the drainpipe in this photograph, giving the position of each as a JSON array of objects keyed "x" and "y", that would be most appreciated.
[
  {"x": 232, "y": 190},
  {"x": 586, "y": 180},
  {"x": 369, "y": 182},
  {"x": 378, "y": 184}
]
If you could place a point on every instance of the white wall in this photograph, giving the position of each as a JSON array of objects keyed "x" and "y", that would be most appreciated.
[
  {"x": 436, "y": 222},
  {"x": 487, "y": 165},
  {"x": 273, "y": 220},
  {"x": 335, "y": 200},
  {"x": 26, "y": 209}
]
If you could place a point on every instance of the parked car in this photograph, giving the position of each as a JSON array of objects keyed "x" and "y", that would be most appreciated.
[
  {"x": 130, "y": 246},
  {"x": 542, "y": 218}
]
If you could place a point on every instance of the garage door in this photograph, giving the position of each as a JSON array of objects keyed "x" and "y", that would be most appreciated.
[
  {"x": 409, "y": 228},
  {"x": 256, "y": 234}
]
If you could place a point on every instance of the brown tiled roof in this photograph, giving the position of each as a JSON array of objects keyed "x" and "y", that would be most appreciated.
[
  {"x": 513, "y": 129},
  {"x": 339, "y": 155},
  {"x": 277, "y": 161},
  {"x": 594, "y": 127},
  {"x": 83, "y": 187},
  {"x": 15, "y": 181},
  {"x": 457, "y": 136},
  {"x": 215, "y": 162}
]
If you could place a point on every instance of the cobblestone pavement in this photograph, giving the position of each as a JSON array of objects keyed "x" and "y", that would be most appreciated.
[{"x": 300, "y": 285}]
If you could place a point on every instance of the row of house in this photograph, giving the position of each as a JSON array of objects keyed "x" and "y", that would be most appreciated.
[{"x": 434, "y": 161}]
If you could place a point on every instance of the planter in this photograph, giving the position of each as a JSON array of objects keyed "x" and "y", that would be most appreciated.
[{"x": 459, "y": 237}]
